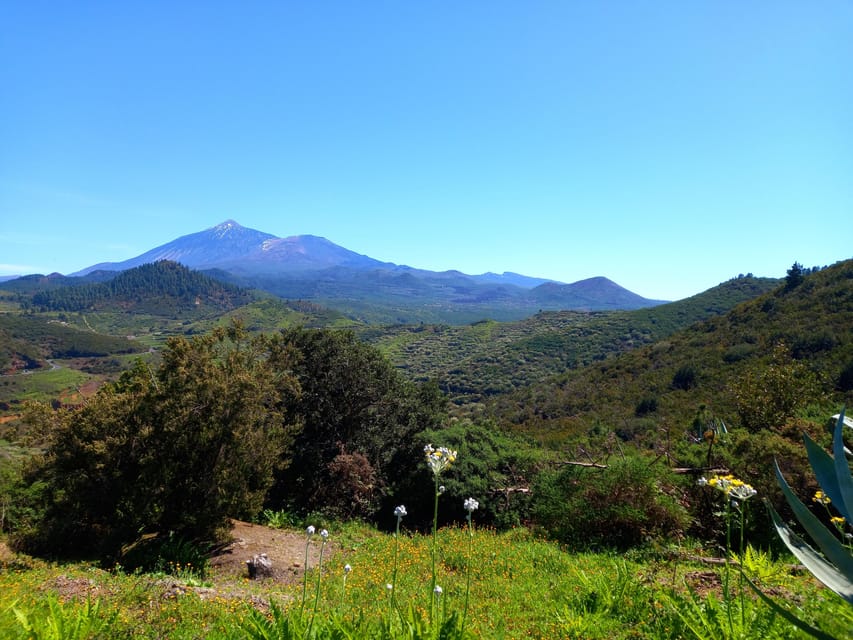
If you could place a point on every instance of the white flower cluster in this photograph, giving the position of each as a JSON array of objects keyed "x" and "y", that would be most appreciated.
[
  {"x": 400, "y": 511},
  {"x": 439, "y": 459},
  {"x": 731, "y": 486},
  {"x": 470, "y": 505}
]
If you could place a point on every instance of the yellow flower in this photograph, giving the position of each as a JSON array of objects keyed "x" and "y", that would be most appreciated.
[{"x": 821, "y": 498}]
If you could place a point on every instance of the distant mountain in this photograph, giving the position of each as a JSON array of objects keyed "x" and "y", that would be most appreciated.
[
  {"x": 312, "y": 268},
  {"x": 591, "y": 294},
  {"x": 238, "y": 250}
]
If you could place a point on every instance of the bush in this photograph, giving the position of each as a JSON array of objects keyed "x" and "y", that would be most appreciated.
[
  {"x": 627, "y": 504},
  {"x": 684, "y": 378},
  {"x": 173, "y": 452}
]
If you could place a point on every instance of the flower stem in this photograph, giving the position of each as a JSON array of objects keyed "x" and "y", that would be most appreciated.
[
  {"x": 392, "y": 599},
  {"x": 726, "y": 593},
  {"x": 304, "y": 578},
  {"x": 434, "y": 545},
  {"x": 317, "y": 591},
  {"x": 468, "y": 570}
]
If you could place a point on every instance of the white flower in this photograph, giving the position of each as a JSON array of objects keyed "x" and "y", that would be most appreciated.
[
  {"x": 437, "y": 590},
  {"x": 389, "y": 586},
  {"x": 702, "y": 482},
  {"x": 324, "y": 534},
  {"x": 347, "y": 568},
  {"x": 470, "y": 505},
  {"x": 742, "y": 492},
  {"x": 442, "y": 489},
  {"x": 310, "y": 530},
  {"x": 439, "y": 459},
  {"x": 400, "y": 511}
]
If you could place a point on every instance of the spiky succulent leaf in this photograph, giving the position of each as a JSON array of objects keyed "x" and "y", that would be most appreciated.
[
  {"x": 828, "y": 574},
  {"x": 842, "y": 469},
  {"x": 836, "y": 553},
  {"x": 823, "y": 466},
  {"x": 790, "y": 617}
]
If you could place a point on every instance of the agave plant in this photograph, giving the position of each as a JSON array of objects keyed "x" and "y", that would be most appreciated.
[{"x": 834, "y": 566}]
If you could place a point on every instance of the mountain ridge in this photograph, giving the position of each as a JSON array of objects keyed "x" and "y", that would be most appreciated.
[{"x": 308, "y": 267}]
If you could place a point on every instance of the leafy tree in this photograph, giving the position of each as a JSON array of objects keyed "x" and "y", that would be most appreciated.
[
  {"x": 771, "y": 391},
  {"x": 358, "y": 418},
  {"x": 174, "y": 451},
  {"x": 795, "y": 276}
]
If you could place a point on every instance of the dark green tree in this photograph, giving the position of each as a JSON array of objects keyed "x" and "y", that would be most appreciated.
[
  {"x": 358, "y": 418},
  {"x": 795, "y": 276},
  {"x": 173, "y": 451}
]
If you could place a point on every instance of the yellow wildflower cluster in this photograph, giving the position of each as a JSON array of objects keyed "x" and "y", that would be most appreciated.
[
  {"x": 821, "y": 498},
  {"x": 838, "y": 521},
  {"x": 731, "y": 486}
]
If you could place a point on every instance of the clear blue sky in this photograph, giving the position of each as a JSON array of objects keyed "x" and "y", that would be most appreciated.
[{"x": 666, "y": 145}]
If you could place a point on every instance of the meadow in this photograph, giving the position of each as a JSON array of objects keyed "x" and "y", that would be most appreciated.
[{"x": 521, "y": 586}]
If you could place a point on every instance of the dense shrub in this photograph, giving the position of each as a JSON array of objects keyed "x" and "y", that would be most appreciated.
[
  {"x": 492, "y": 466},
  {"x": 772, "y": 390},
  {"x": 629, "y": 503},
  {"x": 172, "y": 452},
  {"x": 684, "y": 378},
  {"x": 645, "y": 406}
]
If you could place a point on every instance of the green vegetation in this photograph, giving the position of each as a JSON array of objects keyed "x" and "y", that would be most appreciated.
[
  {"x": 521, "y": 587},
  {"x": 485, "y": 359},
  {"x": 589, "y": 429}
]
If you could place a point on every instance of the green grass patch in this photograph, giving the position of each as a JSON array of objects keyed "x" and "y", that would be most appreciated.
[{"x": 521, "y": 587}]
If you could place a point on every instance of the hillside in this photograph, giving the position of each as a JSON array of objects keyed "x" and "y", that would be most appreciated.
[
  {"x": 484, "y": 359},
  {"x": 808, "y": 327},
  {"x": 164, "y": 287},
  {"x": 27, "y": 341}
]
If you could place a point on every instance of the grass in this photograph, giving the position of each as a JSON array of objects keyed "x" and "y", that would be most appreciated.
[{"x": 521, "y": 587}]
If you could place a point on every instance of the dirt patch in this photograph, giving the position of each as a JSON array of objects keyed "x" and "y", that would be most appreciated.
[
  {"x": 285, "y": 549},
  {"x": 68, "y": 588}
]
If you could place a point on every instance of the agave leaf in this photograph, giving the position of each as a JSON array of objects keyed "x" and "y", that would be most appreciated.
[
  {"x": 842, "y": 469},
  {"x": 836, "y": 553},
  {"x": 828, "y": 574},
  {"x": 790, "y": 617},
  {"x": 824, "y": 469}
]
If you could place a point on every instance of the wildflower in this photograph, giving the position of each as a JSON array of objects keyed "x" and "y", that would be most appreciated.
[
  {"x": 702, "y": 482},
  {"x": 400, "y": 511},
  {"x": 838, "y": 521},
  {"x": 821, "y": 498},
  {"x": 470, "y": 505},
  {"x": 442, "y": 489},
  {"x": 347, "y": 568},
  {"x": 324, "y": 534},
  {"x": 389, "y": 586},
  {"x": 310, "y": 530},
  {"x": 439, "y": 459},
  {"x": 437, "y": 590},
  {"x": 742, "y": 492},
  {"x": 731, "y": 486}
]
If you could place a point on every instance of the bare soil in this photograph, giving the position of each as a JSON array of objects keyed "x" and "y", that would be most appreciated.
[{"x": 285, "y": 549}]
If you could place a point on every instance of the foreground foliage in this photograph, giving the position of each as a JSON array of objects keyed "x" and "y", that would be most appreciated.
[{"x": 521, "y": 587}]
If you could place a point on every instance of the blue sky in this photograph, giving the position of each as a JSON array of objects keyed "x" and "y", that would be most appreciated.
[{"x": 666, "y": 145}]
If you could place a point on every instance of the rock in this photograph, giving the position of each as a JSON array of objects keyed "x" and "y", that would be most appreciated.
[{"x": 260, "y": 566}]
